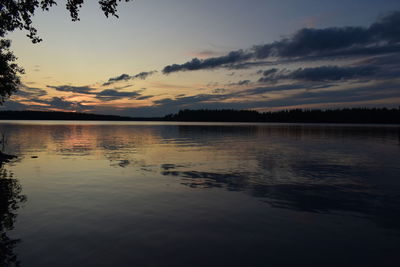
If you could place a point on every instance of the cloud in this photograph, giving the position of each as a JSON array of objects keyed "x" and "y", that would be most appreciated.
[
  {"x": 319, "y": 74},
  {"x": 361, "y": 94},
  {"x": 122, "y": 87},
  {"x": 220, "y": 96},
  {"x": 144, "y": 97},
  {"x": 30, "y": 92},
  {"x": 301, "y": 94},
  {"x": 13, "y": 105},
  {"x": 381, "y": 37},
  {"x": 219, "y": 90},
  {"x": 104, "y": 95},
  {"x": 125, "y": 77},
  {"x": 73, "y": 89},
  {"x": 240, "y": 83},
  {"x": 54, "y": 103},
  {"x": 269, "y": 72},
  {"x": 34, "y": 96},
  {"x": 110, "y": 94},
  {"x": 59, "y": 102},
  {"x": 285, "y": 87},
  {"x": 143, "y": 75},
  {"x": 122, "y": 77},
  {"x": 188, "y": 100},
  {"x": 209, "y": 63}
]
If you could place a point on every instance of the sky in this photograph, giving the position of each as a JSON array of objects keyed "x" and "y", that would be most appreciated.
[{"x": 162, "y": 56}]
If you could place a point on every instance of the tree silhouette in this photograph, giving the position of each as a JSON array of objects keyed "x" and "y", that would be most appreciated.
[
  {"x": 10, "y": 200},
  {"x": 17, "y": 14},
  {"x": 9, "y": 79}
]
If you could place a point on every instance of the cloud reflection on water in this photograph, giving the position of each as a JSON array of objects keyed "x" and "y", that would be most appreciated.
[{"x": 313, "y": 168}]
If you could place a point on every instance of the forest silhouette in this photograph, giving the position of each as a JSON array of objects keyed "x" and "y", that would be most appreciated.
[{"x": 347, "y": 115}]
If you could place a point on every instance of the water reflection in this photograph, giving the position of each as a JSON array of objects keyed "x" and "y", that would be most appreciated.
[
  {"x": 318, "y": 197},
  {"x": 10, "y": 201},
  {"x": 163, "y": 189},
  {"x": 307, "y": 168},
  {"x": 314, "y": 168}
]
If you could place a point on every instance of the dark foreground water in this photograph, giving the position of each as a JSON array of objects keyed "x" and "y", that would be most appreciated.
[{"x": 157, "y": 194}]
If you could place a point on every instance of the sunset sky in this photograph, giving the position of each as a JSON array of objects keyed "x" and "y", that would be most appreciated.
[{"x": 162, "y": 56}]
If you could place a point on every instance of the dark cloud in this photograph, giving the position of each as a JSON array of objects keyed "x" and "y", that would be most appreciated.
[
  {"x": 59, "y": 102},
  {"x": 216, "y": 99},
  {"x": 125, "y": 77},
  {"x": 320, "y": 74},
  {"x": 110, "y": 94},
  {"x": 73, "y": 89},
  {"x": 34, "y": 96},
  {"x": 105, "y": 95},
  {"x": 187, "y": 100},
  {"x": 386, "y": 60},
  {"x": 382, "y": 91},
  {"x": 30, "y": 92},
  {"x": 251, "y": 64},
  {"x": 143, "y": 75},
  {"x": 267, "y": 89},
  {"x": 381, "y": 37},
  {"x": 307, "y": 42},
  {"x": 269, "y": 72},
  {"x": 219, "y": 90},
  {"x": 55, "y": 102},
  {"x": 240, "y": 83},
  {"x": 122, "y": 77},
  {"x": 122, "y": 87},
  {"x": 388, "y": 28},
  {"x": 46, "y": 104},
  {"x": 144, "y": 97},
  {"x": 388, "y": 66},
  {"x": 13, "y": 105},
  {"x": 198, "y": 64}
]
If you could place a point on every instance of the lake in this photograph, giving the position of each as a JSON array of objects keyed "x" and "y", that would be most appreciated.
[{"x": 199, "y": 194}]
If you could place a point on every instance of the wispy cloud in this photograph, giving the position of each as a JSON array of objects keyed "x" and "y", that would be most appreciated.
[
  {"x": 240, "y": 83},
  {"x": 73, "y": 89},
  {"x": 104, "y": 95},
  {"x": 319, "y": 74},
  {"x": 126, "y": 77},
  {"x": 54, "y": 103},
  {"x": 26, "y": 91},
  {"x": 110, "y": 94}
]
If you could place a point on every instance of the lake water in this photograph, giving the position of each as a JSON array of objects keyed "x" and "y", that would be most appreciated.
[{"x": 187, "y": 194}]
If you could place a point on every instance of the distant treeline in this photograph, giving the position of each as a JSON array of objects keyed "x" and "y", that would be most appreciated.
[
  {"x": 57, "y": 115},
  {"x": 353, "y": 115}
]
